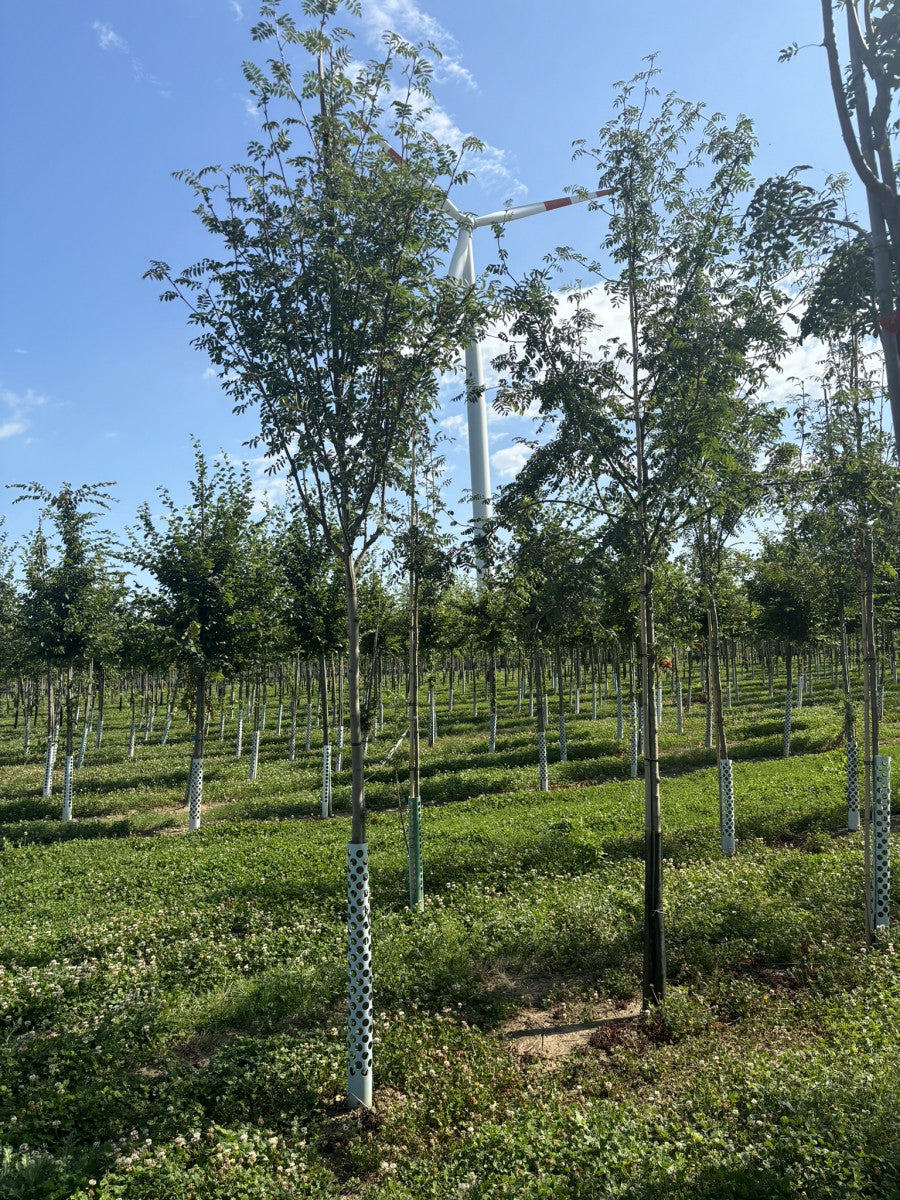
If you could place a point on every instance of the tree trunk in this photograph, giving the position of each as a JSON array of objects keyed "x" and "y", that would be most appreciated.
[{"x": 654, "y": 981}]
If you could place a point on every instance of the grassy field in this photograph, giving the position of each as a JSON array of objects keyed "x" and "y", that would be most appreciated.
[{"x": 174, "y": 1006}]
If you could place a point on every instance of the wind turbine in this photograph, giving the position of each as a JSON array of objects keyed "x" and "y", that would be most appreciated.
[{"x": 462, "y": 267}]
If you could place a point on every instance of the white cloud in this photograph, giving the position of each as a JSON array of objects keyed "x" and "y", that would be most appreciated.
[
  {"x": 237, "y": 10},
  {"x": 416, "y": 25},
  {"x": 210, "y": 373},
  {"x": 455, "y": 425},
  {"x": 107, "y": 38},
  {"x": 20, "y": 406},
  {"x": 250, "y": 108},
  {"x": 491, "y": 166},
  {"x": 509, "y": 461},
  {"x": 268, "y": 490}
]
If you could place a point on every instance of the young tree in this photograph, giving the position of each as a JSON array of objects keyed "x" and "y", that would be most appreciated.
[
  {"x": 701, "y": 308},
  {"x": 196, "y": 555},
  {"x": 61, "y": 598},
  {"x": 329, "y": 315}
]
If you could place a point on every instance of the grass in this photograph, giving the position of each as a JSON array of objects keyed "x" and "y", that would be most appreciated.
[{"x": 173, "y": 1005}]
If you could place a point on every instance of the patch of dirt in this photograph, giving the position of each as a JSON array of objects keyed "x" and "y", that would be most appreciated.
[
  {"x": 628, "y": 1033},
  {"x": 565, "y": 1027}
]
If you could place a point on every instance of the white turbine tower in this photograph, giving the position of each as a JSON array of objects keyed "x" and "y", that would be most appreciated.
[{"x": 462, "y": 266}]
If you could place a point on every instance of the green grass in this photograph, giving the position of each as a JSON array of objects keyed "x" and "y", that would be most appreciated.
[{"x": 173, "y": 1005}]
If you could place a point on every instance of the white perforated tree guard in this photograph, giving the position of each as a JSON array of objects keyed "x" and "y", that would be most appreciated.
[
  {"x": 727, "y": 782},
  {"x": 278, "y": 720},
  {"x": 563, "y": 751},
  {"x": 679, "y": 708},
  {"x": 239, "y": 743},
  {"x": 416, "y": 875},
  {"x": 340, "y": 750},
  {"x": 852, "y": 786},
  {"x": 432, "y": 721},
  {"x": 222, "y": 725},
  {"x": 542, "y": 761},
  {"x": 634, "y": 739},
  {"x": 68, "y": 778},
  {"x": 728, "y": 700},
  {"x": 262, "y": 718},
  {"x": 151, "y": 713},
  {"x": 326, "y": 781},
  {"x": 195, "y": 793},
  {"x": 27, "y": 738},
  {"x": 166, "y": 728},
  {"x": 577, "y": 701},
  {"x": 132, "y": 735},
  {"x": 254, "y": 755},
  {"x": 360, "y": 1025},
  {"x": 881, "y": 849},
  {"x": 82, "y": 746},
  {"x": 49, "y": 763},
  {"x": 620, "y": 717},
  {"x": 292, "y": 742},
  {"x": 99, "y": 742},
  {"x": 308, "y": 724},
  {"x": 800, "y": 690},
  {"x": 492, "y": 732},
  {"x": 594, "y": 702},
  {"x": 786, "y": 741}
]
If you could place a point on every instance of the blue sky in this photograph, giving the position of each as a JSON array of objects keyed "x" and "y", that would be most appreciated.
[{"x": 105, "y": 98}]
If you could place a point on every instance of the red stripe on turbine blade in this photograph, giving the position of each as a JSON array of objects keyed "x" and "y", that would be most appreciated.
[
  {"x": 549, "y": 205},
  {"x": 397, "y": 158}
]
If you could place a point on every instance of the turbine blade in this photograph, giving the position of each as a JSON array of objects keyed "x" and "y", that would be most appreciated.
[{"x": 531, "y": 210}]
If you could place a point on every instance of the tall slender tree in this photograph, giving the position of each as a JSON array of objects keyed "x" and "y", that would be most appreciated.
[
  {"x": 701, "y": 308},
  {"x": 329, "y": 315}
]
